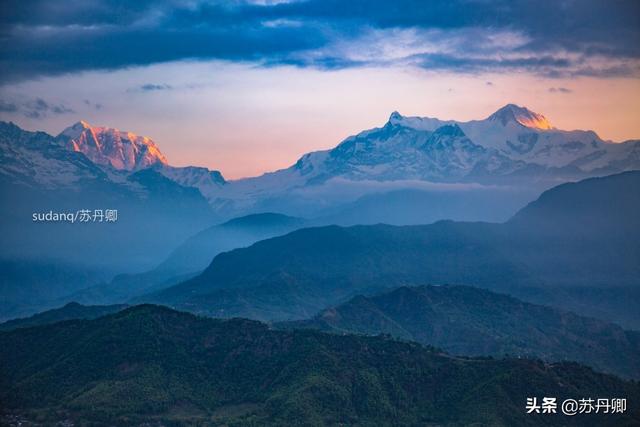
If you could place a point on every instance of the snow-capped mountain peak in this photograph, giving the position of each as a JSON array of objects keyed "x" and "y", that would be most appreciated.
[
  {"x": 395, "y": 117},
  {"x": 112, "y": 147},
  {"x": 512, "y": 113},
  {"x": 74, "y": 131},
  {"x": 417, "y": 123}
]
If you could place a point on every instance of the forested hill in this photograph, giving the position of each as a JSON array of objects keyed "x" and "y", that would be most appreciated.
[{"x": 150, "y": 363}]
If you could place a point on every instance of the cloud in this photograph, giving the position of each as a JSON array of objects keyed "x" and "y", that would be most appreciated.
[
  {"x": 559, "y": 90},
  {"x": 94, "y": 105},
  {"x": 8, "y": 107},
  {"x": 36, "y": 108},
  {"x": 590, "y": 37},
  {"x": 345, "y": 189},
  {"x": 150, "y": 87}
]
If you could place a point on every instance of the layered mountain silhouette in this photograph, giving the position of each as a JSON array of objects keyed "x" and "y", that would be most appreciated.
[
  {"x": 576, "y": 238},
  {"x": 575, "y": 247},
  {"x": 470, "y": 321},
  {"x": 192, "y": 256},
  {"x": 462, "y": 320},
  {"x": 150, "y": 362},
  {"x": 410, "y": 171}
]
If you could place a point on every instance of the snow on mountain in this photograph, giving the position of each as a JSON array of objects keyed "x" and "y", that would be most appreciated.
[
  {"x": 112, "y": 147},
  {"x": 34, "y": 159},
  {"x": 512, "y": 113},
  {"x": 205, "y": 180},
  {"x": 526, "y": 136},
  {"x": 512, "y": 140},
  {"x": 513, "y": 145},
  {"x": 82, "y": 154},
  {"x": 126, "y": 151}
]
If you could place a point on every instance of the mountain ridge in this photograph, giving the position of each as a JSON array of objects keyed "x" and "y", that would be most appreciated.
[
  {"x": 469, "y": 321},
  {"x": 112, "y": 147},
  {"x": 296, "y": 274},
  {"x": 151, "y": 363},
  {"x": 512, "y": 146}
]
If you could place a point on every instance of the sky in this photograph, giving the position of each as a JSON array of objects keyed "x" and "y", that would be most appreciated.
[{"x": 247, "y": 87}]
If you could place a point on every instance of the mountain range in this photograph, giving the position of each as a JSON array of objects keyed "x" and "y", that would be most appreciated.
[
  {"x": 150, "y": 364},
  {"x": 512, "y": 147},
  {"x": 410, "y": 171},
  {"x": 468, "y": 321},
  {"x": 39, "y": 261},
  {"x": 70, "y": 311},
  {"x": 574, "y": 247},
  {"x": 570, "y": 248},
  {"x": 461, "y": 320}
]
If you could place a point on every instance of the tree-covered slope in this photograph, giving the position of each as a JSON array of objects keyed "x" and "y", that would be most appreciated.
[
  {"x": 470, "y": 321},
  {"x": 149, "y": 363}
]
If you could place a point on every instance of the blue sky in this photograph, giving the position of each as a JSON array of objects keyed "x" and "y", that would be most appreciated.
[{"x": 308, "y": 73}]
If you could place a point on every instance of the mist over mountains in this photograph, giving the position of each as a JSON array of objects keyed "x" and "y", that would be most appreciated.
[
  {"x": 191, "y": 257},
  {"x": 234, "y": 213},
  {"x": 410, "y": 171},
  {"x": 293, "y": 276},
  {"x": 468, "y": 236},
  {"x": 513, "y": 147}
]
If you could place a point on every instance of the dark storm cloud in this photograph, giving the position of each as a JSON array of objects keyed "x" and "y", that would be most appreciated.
[{"x": 45, "y": 37}]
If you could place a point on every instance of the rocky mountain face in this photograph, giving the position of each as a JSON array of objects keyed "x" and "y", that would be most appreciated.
[
  {"x": 83, "y": 152},
  {"x": 111, "y": 147},
  {"x": 35, "y": 159}
]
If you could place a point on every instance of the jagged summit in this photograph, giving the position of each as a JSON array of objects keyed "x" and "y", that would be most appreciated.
[
  {"x": 450, "y": 130},
  {"x": 112, "y": 147},
  {"x": 418, "y": 123},
  {"x": 395, "y": 116},
  {"x": 509, "y": 114},
  {"x": 512, "y": 113}
]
